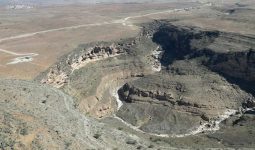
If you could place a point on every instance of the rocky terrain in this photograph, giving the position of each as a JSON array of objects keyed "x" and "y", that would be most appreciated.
[
  {"x": 168, "y": 82},
  {"x": 41, "y": 117},
  {"x": 171, "y": 101},
  {"x": 171, "y": 87}
]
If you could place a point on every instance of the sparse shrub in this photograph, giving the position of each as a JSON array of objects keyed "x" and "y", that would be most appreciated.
[
  {"x": 131, "y": 142},
  {"x": 67, "y": 144},
  {"x": 23, "y": 131},
  {"x": 120, "y": 128},
  {"x": 97, "y": 135},
  {"x": 155, "y": 139}
]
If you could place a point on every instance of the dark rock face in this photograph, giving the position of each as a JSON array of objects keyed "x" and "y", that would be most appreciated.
[
  {"x": 237, "y": 67},
  {"x": 58, "y": 75},
  {"x": 249, "y": 103},
  {"x": 237, "y": 132},
  {"x": 231, "y": 55},
  {"x": 204, "y": 75},
  {"x": 179, "y": 42},
  {"x": 195, "y": 64},
  {"x": 158, "y": 119},
  {"x": 239, "y": 64},
  {"x": 128, "y": 93},
  {"x": 153, "y": 101}
]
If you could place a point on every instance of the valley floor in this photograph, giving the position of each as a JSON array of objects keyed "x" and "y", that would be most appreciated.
[{"x": 176, "y": 75}]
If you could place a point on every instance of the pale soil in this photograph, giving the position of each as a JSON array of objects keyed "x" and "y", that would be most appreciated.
[
  {"x": 58, "y": 31},
  {"x": 43, "y": 61},
  {"x": 48, "y": 120},
  {"x": 59, "y": 113}
]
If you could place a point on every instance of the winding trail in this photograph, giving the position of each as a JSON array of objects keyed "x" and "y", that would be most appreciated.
[
  {"x": 118, "y": 21},
  {"x": 18, "y": 54},
  {"x": 124, "y": 21},
  {"x": 211, "y": 126},
  {"x": 52, "y": 30},
  {"x": 29, "y": 56},
  {"x": 23, "y": 57}
]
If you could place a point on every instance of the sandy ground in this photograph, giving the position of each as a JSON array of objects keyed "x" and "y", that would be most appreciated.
[
  {"x": 54, "y": 31},
  {"x": 58, "y": 30}
]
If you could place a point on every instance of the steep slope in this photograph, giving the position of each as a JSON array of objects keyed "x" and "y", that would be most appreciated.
[
  {"x": 41, "y": 117},
  {"x": 170, "y": 81}
]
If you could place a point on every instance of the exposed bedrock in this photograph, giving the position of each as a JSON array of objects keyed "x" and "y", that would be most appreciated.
[
  {"x": 179, "y": 42},
  {"x": 237, "y": 67},
  {"x": 237, "y": 130},
  {"x": 193, "y": 91},
  {"x": 231, "y": 55},
  {"x": 196, "y": 85},
  {"x": 35, "y": 116},
  {"x": 58, "y": 75},
  {"x": 239, "y": 64},
  {"x": 175, "y": 103},
  {"x": 92, "y": 72}
]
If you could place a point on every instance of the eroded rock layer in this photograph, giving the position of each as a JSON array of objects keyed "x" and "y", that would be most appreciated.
[
  {"x": 170, "y": 81},
  {"x": 176, "y": 103}
]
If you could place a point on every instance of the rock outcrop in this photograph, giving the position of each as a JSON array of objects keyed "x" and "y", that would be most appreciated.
[
  {"x": 239, "y": 65},
  {"x": 177, "y": 81},
  {"x": 201, "y": 95},
  {"x": 58, "y": 75},
  {"x": 190, "y": 56},
  {"x": 35, "y": 116}
]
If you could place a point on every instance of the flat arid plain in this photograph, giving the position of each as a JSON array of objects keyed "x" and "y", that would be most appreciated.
[
  {"x": 127, "y": 75},
  {"x": 50, "y": 32}
]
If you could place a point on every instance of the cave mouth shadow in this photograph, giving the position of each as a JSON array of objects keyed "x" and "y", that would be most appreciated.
[{"x": 176, "y": 44}]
